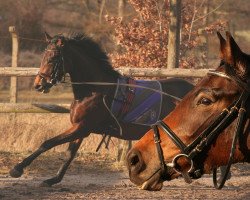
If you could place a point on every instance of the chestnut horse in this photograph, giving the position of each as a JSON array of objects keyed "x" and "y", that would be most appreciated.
[
  {"x": 207, "y": 129},
  {"x": 94, "y": 83}
]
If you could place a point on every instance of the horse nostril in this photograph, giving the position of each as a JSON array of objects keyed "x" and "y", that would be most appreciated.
[
  {"x": 134, "y": 160},
  {"x": 38, "y": 87}
]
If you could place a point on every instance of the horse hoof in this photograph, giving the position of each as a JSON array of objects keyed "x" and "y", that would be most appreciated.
[
  {"x": 15, "y": 173},
  {"x": 44, "y": 184}
]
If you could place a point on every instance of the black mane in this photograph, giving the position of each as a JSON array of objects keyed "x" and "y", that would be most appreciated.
[{"x": 93, "y": 50}]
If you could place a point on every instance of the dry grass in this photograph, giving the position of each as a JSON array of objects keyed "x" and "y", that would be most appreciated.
[{"x": 25, "y": 133}]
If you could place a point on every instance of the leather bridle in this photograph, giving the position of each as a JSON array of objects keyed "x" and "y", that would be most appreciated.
[
  {"x": 191, "y": 151},
  {"x": 58, "y": 70}
]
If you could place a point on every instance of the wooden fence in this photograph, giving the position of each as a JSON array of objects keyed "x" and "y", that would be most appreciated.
[{"x": 14, "y": 71}]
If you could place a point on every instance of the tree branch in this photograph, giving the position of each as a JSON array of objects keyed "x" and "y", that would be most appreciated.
[{"x": 210, "y": 11}]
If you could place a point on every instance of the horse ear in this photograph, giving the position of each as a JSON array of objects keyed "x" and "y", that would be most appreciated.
[
  {"x": 233, "y": 51},
  {"x": 239, "y": 60},
  {"x": 232, "y": 55},
  {"x": 229, "y": 50},
  {"x": 47, "y": 37},
  {"x": 222, "y": 45}
]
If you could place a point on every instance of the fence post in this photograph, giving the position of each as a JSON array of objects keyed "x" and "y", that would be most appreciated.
[{"x": 13, "y": 79}]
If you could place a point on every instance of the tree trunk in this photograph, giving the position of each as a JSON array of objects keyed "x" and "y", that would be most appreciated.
[
  {"x": 86, "y": 4},
  {"x": 206, "y": 21},
  {"x": 102, "y": 4},
  {"x": 121, "y": 7},
  {"x": 174, "y": 34}
]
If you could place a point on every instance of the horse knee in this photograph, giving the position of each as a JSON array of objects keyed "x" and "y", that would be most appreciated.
[{"x": 45, "y": 146}]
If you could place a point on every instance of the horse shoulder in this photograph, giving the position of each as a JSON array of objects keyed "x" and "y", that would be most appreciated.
[{"x": 80, "y": 109}]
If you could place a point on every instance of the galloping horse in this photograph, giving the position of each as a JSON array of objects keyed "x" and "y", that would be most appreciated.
[
  {"x": 209, "y": 127},
  {"x": 99, "y": 105}
]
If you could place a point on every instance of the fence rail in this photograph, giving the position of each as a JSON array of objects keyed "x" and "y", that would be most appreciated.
[{"x": 134, "y": 72}]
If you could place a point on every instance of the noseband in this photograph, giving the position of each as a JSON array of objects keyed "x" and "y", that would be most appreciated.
[{"x": 236, "y": 110}]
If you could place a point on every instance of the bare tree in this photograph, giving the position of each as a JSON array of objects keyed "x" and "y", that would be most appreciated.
[
  {"x": 206, "y": 21},
  {"x": 174, "y": 34},
  {"x": 86, "y": 4}
]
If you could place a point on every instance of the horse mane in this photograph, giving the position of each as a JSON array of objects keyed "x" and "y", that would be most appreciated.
[{"x": 93, "y": 50}]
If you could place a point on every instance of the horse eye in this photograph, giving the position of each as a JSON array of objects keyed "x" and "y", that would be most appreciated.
[{"x": 205, "y": 101}]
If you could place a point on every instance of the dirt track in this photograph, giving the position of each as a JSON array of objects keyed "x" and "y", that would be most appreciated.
[{"x": 95, "y": 176}]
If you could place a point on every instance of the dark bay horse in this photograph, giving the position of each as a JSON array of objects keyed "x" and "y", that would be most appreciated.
[
  {"x": 86, "y": 63},
  {"x": 207, "y": 129}
]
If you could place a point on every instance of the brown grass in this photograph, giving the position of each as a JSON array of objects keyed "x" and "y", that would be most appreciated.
[{"x": 25, "y": 133}]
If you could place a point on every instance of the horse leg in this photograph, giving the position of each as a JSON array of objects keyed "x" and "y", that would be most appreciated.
[
  {"x": 68, "y": 136},
  {"x": 73, "y": 148}
]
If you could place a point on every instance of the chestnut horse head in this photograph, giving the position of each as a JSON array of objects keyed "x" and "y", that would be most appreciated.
[{"x": 209, "y": 128}]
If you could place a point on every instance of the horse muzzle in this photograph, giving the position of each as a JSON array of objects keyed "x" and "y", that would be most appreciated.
[
  {"x": 43, "y": 87},
  {"x": 147, "y": 177},
  {"x": 157, "y": 177}
]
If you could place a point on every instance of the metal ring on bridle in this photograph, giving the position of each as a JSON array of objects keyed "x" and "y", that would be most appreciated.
[{"x": 175, "y": 159}]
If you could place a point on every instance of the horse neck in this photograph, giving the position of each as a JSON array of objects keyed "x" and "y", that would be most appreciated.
[
  {"x": 220, "y": 152},
  {"x": 83, "y": 68}
]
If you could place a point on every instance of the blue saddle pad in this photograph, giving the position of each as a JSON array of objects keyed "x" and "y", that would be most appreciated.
[{"x": 137, "y": 105}]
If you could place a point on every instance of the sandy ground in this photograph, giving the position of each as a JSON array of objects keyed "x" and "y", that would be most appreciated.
[{"x": 97, "y": 176}]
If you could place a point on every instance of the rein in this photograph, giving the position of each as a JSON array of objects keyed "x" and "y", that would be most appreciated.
[
  {"x": 123, "y": 84},
  {"x": 58, "y": 70},
  {"x": 189, "y": 152}
]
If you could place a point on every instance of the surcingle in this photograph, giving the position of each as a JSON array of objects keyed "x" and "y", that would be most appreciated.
[{"x": 137, "y": 105}]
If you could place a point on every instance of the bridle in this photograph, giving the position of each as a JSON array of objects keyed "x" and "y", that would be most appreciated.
[
  {"x": 58, "y": 70},
  {"x": 191, "y": 151}
]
